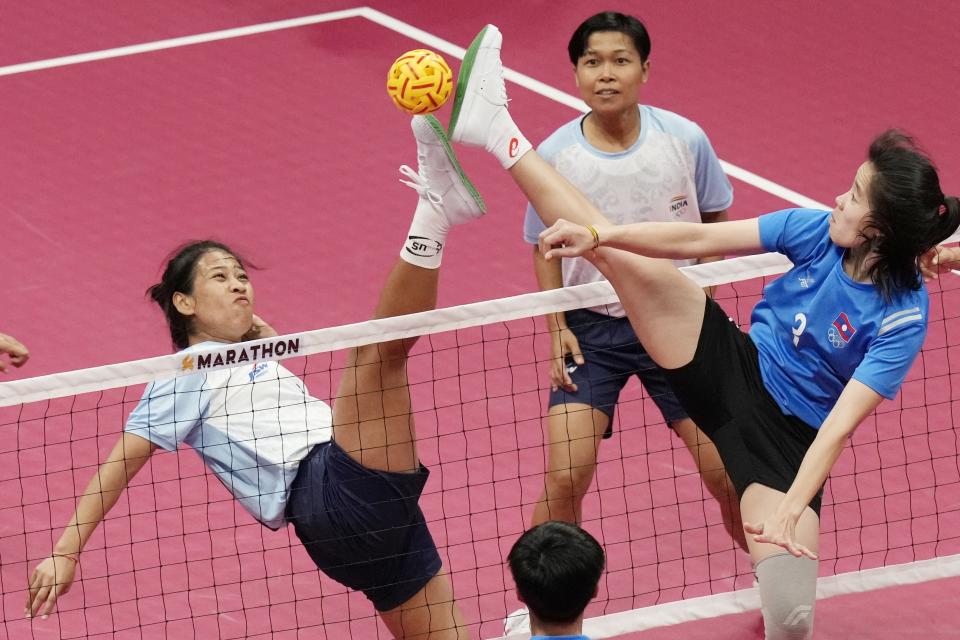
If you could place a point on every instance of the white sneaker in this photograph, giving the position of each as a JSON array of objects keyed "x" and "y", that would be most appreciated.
[
  {"x": 481, "y": 94},
  {"x": 517, "y": 623},
  {"x": 439, "y": 179}
]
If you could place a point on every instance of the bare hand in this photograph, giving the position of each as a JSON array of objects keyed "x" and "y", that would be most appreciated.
[
  {"x": 259, "y": 329},
  {"x": 564, "y": 344},
  {"x": 565, "y": 240},
  {"x": 939, "y": 260},
  {"x": 51, "y": 579},
  {"x": 781, "y": 531},
  {"x": 14, "y": 349}
]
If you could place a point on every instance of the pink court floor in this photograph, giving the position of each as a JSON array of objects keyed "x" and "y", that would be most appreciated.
[{"x": 285, "y": 146}]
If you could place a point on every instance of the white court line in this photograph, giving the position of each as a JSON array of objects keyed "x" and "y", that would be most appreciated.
[
  {"x": 402, "y": 28},
  {"x": 172, "y": 43}
]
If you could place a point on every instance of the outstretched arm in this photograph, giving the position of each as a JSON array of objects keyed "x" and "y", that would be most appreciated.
[
  {"x": 712, "y": 217},
  {"x": 54, "y": 576},
  {"x": 856, "y": 402},
  {"x": 674, "y": 240}
]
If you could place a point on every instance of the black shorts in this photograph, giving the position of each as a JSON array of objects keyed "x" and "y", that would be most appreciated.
[
  {"x": 363, "y": 527},
  {"x": 723, "y": 391},
  {"x": 612, "y": 354}
]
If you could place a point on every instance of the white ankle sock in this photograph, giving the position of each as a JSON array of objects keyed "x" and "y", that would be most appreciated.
[
  {"x": 428, "y": 233},
  {"x": 505, "y": 141}
]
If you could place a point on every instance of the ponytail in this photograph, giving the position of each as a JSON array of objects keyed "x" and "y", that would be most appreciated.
[{"x": 908, "y": 211}]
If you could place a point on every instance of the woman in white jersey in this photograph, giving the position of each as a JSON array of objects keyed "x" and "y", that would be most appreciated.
[
  {"x": 639, "y": 163},
  {"x": 832, "y": 338},
  {"x": 348, "y": 481}
]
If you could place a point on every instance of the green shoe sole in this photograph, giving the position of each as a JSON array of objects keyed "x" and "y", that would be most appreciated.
[
  {"x": 441, "y": 134},
  {"x": 465, "y": 68}
]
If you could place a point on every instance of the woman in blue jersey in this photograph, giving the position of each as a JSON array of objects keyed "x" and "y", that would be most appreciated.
[
  {"x": 831, "y": 339},
  {"x": 349, "y": 480}
]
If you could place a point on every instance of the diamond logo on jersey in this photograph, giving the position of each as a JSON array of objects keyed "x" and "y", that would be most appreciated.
[
  {"x": 841, "y": 331},
  {"x": 679, "y": 204}
]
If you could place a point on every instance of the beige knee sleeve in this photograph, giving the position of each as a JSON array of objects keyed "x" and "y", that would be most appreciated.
[{"x": 788, "y": 591}]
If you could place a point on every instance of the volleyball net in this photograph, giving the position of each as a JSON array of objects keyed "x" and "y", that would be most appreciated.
[{"x": 178, "y": 557}]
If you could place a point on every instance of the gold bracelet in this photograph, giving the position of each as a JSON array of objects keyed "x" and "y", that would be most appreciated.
[{"x": 593, "y": 232}]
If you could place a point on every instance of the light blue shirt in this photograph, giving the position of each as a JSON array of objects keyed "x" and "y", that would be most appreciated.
[
  {"x": 251, "y": 425},
  {"x": 672, "y": 157},
  {"x": 670, "y": 174},
  {"x": 816, "y": 328}
]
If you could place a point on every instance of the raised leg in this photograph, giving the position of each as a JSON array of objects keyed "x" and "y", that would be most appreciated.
[
  {"x": 372, "y": 414},
  {"x": 373, "y": 417}
]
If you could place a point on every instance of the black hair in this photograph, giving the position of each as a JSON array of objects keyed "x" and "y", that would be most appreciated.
[
  {"x": 908, "y": 211},
  {"x": 557, "y": 567},
  {"x": 178, "y": 277},
  {"x": 609, "y": 21}
]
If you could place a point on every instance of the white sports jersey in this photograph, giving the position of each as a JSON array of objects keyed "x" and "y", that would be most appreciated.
[
  {"x": 251, "y": 425},
  {"x": 671, "y": 173}
]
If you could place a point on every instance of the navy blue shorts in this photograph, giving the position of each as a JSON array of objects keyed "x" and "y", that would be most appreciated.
[
  {"x": 363, "y": 527},
  {"x": 612, "y": 354},
  {"x": 722, "y": 389}
]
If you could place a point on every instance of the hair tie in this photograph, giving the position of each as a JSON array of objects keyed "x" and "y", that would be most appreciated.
[{"x": 942, "y": 210}]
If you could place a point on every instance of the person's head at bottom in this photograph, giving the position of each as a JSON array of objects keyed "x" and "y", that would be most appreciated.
[{"x": 556, "y": 567}]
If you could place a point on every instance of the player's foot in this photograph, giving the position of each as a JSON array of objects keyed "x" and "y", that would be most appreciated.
[
  {"x": 447, "y": 196},
  {"x": 440, "y": 180},
  {"x": 480, "y": 116},
  {"x": 481, "y": 94},
  {"x": 517, "y": 623}
]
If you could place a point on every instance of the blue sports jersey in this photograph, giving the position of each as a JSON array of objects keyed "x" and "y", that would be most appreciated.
[{"x": 816, "y": 328}]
